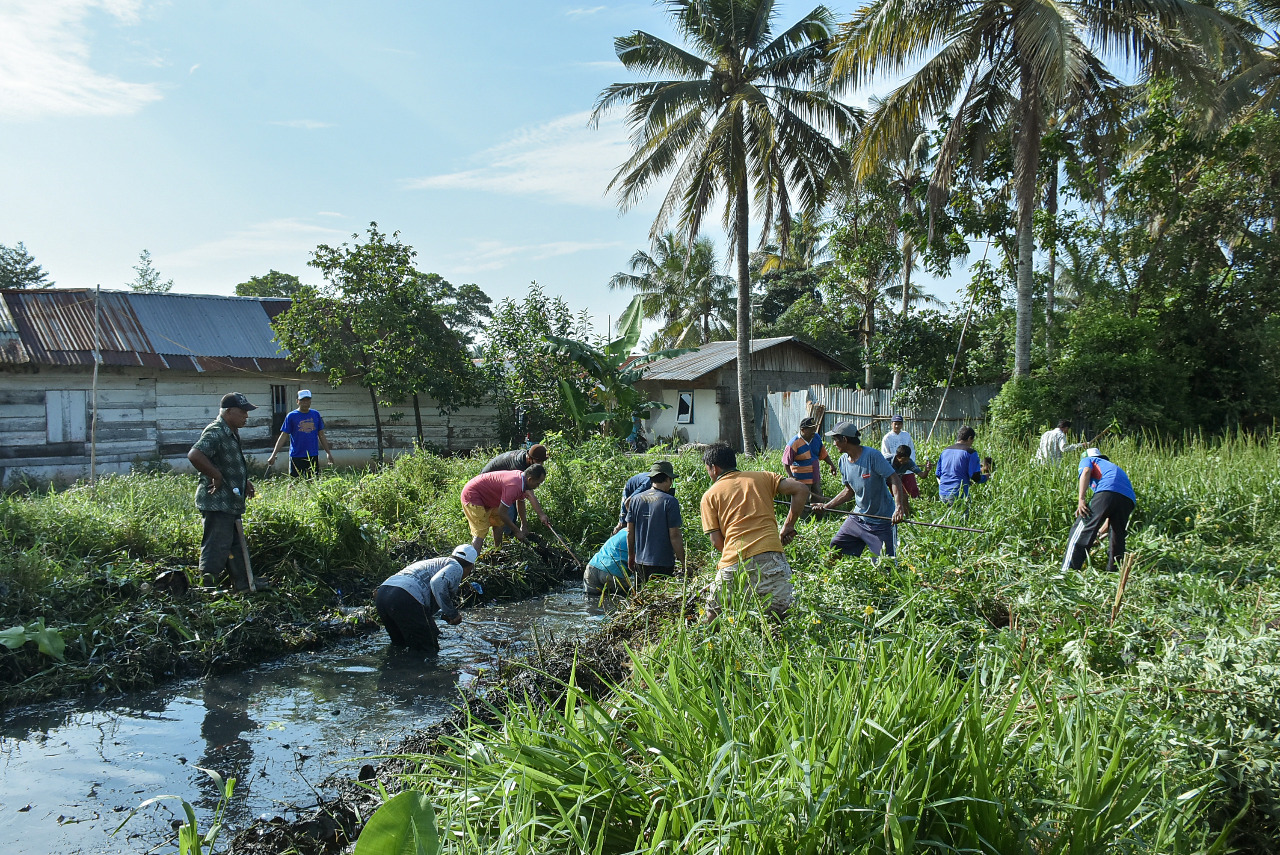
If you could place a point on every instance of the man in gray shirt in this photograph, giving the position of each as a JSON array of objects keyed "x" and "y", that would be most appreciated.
[
  {"x": 408, "y": 601},
  {"x": 881, "y": 502}
]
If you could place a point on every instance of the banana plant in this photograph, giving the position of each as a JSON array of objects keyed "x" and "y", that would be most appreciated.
[{"x": 612, "y": 400}]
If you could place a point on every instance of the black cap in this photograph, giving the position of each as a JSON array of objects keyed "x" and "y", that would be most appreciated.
[
  {"x": 848, "y": 430},
  {"x": 237, "y": 400}
]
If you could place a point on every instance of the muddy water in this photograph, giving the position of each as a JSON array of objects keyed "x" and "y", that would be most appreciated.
[{"x": 71, "y": 772}]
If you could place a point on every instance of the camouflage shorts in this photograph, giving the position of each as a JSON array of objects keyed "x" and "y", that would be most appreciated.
[{"x": 770, "y": 575}]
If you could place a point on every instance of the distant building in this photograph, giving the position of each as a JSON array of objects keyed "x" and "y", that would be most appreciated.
[
  {"x": 701, "y": 387},
  {"x": 166, "y": 360}
]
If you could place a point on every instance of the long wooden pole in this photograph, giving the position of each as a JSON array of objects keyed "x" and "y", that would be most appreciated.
[
  {"x": 890, "y": 519},
  {"x": 97, "y": 359}
]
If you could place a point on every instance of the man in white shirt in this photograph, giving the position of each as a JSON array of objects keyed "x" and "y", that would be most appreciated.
[
  {"x": 1053, "y": 443},
  {"x": 894, "y": 438}
]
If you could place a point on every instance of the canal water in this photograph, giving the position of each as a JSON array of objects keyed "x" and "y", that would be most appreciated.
[{"x": 70, "y": 772}]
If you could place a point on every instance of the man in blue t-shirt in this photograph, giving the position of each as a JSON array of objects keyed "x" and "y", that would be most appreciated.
[
  {"x": 655, "y": 545},
  {"x": 305, "y": 430},
  {"x": 959, "y": 466},
  {"x": 868, "y": 479},
  {"x": 1113, "y": 502}
]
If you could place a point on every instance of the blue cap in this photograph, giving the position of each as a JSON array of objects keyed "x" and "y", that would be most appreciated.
[{"x": 896, "y": 419}]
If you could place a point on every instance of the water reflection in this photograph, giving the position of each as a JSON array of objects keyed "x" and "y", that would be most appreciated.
[{"x": 278, "y": 730}]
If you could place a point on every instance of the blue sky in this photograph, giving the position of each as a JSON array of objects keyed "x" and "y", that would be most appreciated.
[{"x": 229, "y": 138}]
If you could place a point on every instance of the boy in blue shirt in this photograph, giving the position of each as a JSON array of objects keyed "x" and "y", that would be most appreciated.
[
  {"x": 958, "y": 466},
  {"x": 305, "y": 430},
  {"x": 1113, "y": 502}
]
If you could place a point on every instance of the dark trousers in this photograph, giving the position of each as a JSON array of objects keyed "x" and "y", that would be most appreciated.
[
  {"x": 221, "y": 555},
  {"x": 1105, "y": 506},
  {"x": 857, "y": 534},
  {"x": 406, "y": 619},
  {"x": 645, "y": 572},
  {"x": 307, "y": 467}
]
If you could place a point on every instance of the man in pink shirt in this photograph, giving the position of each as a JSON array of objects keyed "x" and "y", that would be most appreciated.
[{"x": 489, "y": 501}]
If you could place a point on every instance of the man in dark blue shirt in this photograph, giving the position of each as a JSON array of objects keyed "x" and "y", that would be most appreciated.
[
  {"x": 638, "y": 484},
  {"x": 1113, "y": 502},
  {"x": 959, "y": 466},
  {"x": 655, "y": 545}
]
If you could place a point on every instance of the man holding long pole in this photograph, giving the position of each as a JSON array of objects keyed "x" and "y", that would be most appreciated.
[{"x": 868, "y": 478}]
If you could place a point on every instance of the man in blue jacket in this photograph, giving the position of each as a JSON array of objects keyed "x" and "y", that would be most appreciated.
[
  {"x": 1113, "y": 502},
  {"x": 959, "y": 466}
]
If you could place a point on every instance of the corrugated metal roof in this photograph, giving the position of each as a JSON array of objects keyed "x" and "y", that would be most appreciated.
[
  {"x": 180, "y": 332},
  {"x": 56, "y": 326},
  {"x": 717, "y": 354},
  {"x": 198, "y": 325}
]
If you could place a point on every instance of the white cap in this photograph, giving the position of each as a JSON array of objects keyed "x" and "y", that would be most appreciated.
[
  {"x": 304, "y": 393},
  {"x": 1093, "y": 452},
  {"x": 466, "y": 552}
]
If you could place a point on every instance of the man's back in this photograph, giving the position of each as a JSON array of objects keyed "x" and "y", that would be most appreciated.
[
  {"x": 740, "y": 506},
  {"x": 507, "y": 462},
  {"x": 654, "y": 514}
]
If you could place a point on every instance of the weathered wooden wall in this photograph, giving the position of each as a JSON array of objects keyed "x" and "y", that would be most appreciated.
[{"x": 144, "y": 414}]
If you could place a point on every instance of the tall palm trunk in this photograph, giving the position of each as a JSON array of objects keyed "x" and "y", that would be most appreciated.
[
  {"x": 908, "y": 261},
  {"x": 746, "y": 408},
  {"x": 868, "y": 331},
  {"x": 1024, "y": 172},
  {"x": 1051, "y": 204}
]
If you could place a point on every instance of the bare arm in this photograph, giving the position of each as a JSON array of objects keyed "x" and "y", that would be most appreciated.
[
  {"x": 205, "y": 467},
  {"x": 677, "y": 545},
  {"x": 631, "y": 547},
  {"x": 537, "y": 509},
  {"x": 717, "y": 539},
  {"x": 899, "y": 498},
  {"x": 280, "y": 440},
  {"x": 1082, "y": 507},
  {"x": 838, "y": 499},
  {"x": 799, "y": 493},
  {"x": 324, "y": 443}
]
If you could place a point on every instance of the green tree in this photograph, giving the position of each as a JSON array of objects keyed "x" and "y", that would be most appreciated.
[
  {"x": 613, "y": 373},
  {"x": 374, "y": 320},
  {"x": 19, "y": 270},
  {"x": 273, "y": 283},
  {"x": 148, "y": 280},
  {"x": 681, "y": 284},
  {"x": 746, "y": 111},
  {"x": 524, "y": 378},
  {"x": 1009, "y": 65}
]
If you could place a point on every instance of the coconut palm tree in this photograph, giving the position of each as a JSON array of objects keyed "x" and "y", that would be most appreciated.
[
  {"x": 681, "y": 285},
  {"x": 998, "y": 64},
  {"x": 744, "y": 111}
]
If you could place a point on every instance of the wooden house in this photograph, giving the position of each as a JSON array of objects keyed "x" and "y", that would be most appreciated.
[
  {"x": 701, "y": 388},
  {"x": 165, "y": 361}
]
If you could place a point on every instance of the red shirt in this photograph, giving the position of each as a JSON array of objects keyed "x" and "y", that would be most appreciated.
[{"x": 494, "y": 488}]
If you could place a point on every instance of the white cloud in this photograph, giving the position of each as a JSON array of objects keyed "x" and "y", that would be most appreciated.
[
  {"x": 44, "y": 61},
  {"x": 495, "y": 255},
  {"x": 268, "y": 241},
  {"x": 591, "y": 10},
  {"x": 328, "y": 214},
  {"x": 193, "y": 68},
  {"x": 305, "y": 124},
  {"x": 563, "y": 160}
]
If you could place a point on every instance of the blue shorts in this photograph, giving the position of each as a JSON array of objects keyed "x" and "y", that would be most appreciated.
[{"x": 858, "y": 534}]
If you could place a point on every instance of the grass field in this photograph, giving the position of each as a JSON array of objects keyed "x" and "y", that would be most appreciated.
[{"x": 967, "y": 697}]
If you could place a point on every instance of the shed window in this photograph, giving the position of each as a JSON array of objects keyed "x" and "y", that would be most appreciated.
[
  {"x": 279, "y": 408},
  {"x": 66, "y": 415},
  {"x": 684, "y": 410}
]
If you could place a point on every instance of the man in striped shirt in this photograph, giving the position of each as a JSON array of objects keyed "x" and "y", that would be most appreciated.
[{"x": 804, "y": 454}]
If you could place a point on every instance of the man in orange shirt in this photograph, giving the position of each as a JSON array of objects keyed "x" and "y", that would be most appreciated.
[{"x": 738, "y": 515}]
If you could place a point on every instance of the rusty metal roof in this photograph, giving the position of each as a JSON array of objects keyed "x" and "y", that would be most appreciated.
[
  {"x": 717, "y": 354},
  {"x": 174, "y": 331}
]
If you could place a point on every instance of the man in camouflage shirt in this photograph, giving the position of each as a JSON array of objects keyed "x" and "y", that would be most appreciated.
[{"x": 224, "y": 486}]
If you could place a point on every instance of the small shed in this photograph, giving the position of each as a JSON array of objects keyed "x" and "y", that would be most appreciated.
[
  {"x": 701, "y": 388},
  {"x": 164, "y": 362}
]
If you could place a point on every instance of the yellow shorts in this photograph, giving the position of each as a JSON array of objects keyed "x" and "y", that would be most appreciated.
[{"x": 481, "y": 519}]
